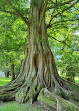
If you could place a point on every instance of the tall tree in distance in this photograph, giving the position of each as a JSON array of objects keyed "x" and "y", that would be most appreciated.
[{"x": 38, "y": 69}]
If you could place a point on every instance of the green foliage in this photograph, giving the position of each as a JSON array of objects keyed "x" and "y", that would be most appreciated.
[
  {"x": 13, "y": 41},
  {"x": 64, "y": 45},
  {"x": 63, "y": 42}
]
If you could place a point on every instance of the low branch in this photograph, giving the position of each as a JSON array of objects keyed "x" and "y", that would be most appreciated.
[
  {"x": 17, "y": 12},
  {"x": 8, "y": 12},
  {"x": 62, "y": 21},
  {"x": 2, "y": 51},
  {"x": 59, "y": 13},
  {"x": 57, "y": 40},
  {"x": 42, "y": 15}
]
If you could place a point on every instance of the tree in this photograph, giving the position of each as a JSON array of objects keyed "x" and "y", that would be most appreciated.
[
  {"x": 12, "y": 45},
  {"x": 38, "y": 69},
  {"x": 10, "y": 62}
]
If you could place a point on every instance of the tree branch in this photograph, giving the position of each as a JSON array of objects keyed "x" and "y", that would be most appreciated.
[
  {"x": 9, "y": 50},
  {"x": 17, "y": 12},
  {"x": 40, "y": 5},
  {"x": 59, "y": 4},
  {"x": 51, "y": 17},
  {"x": 62, "y": 21},
  {"x": 57, "y": 40},
  {"x": 42, "y": 15},
  {"x": 60, "y": 13},
  {"x": 8, "y": 12}
]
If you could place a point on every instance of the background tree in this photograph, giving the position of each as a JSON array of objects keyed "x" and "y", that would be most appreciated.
[
  {"x": 12, "y": 44},
  {"x": 66, "y": 53},
  {"x": 38, "y": 68}
]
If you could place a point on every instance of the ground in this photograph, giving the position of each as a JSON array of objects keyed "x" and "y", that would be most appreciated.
[{"x": 14, "y": 106}]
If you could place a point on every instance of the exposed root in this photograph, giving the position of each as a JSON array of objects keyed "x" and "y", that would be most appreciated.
[
  {"x": 68, "y": 85},
  {"x": 54, "y": 102},
  {"x": 28, "y": 93},
  {"x": 41, "y": 73},
  {"x": 67, "y": 94}
]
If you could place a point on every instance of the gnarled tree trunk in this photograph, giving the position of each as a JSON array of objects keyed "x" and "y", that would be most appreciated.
[{"x": 38, "y": 68}]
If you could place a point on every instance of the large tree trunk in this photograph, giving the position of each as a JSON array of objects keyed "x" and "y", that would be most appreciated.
[{"x": 38, "y": 69}]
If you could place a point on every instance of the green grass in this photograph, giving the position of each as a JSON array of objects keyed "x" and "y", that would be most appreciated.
[
  {"x": 14, "y": 106},
  {"x": 77, "y": 80},
  {"x": 4, "y": 81}
]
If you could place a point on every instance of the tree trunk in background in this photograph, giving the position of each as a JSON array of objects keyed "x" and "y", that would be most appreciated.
[
  {"x": 12, "y": 71},
  {"x": 18, "y": 72},
  {"x": 7, "y": 74}
]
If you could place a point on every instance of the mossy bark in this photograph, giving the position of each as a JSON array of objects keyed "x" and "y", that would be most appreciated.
[
  {"x": 54, "y": 102},
  {"x": 38, "y": 69}
]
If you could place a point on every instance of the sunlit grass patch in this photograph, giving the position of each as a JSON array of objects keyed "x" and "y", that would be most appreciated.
[
  {"x": 4, "y": 81},
  {"x": 77, "y": 80}
]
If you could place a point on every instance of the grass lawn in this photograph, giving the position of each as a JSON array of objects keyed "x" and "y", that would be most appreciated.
[
  {"x": 4, "y": 81},
  {"x": 14, "y": 106}
]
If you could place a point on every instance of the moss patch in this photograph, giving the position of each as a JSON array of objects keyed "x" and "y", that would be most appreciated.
[{"x": 53, "y": 101}]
